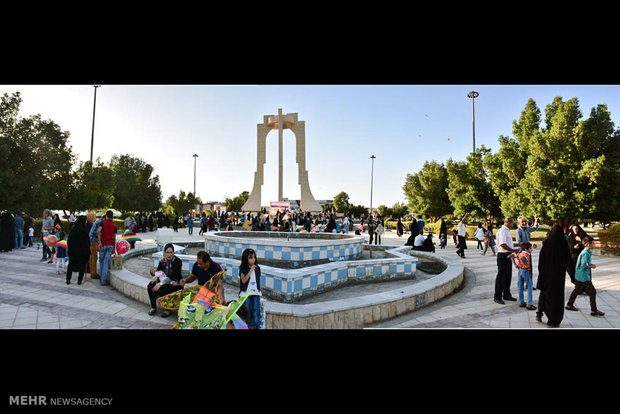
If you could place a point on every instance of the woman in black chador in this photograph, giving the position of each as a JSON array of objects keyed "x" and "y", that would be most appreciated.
[
  {"x": 415, "y": 230},
  {"x": 575, "y": 246},
  {"x": 552, "y": 263},
  {"x": 78, "y": 250},
  {"x": 7, "y": 232}
]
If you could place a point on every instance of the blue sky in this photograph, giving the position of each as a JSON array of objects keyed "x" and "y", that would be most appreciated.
[{"x": 402, "y": 125}]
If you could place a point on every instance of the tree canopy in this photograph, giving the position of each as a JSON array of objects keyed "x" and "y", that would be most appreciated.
[{"x": 39, "y": 170}]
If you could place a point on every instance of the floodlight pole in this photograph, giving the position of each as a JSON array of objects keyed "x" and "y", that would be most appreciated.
[
  {"x": 473, "y": 95},
  {"x": 92, "y": 137}
]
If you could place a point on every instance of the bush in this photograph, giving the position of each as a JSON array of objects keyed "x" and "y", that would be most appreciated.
[
  {"x": 391, "y": 224},
  {"x": 610, "y": 239}
]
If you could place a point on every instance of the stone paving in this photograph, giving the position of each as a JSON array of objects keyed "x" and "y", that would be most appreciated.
[{"x": 33, "y": 296}]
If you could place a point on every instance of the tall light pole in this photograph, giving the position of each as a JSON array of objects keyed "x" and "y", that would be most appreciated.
[
  {"x": 372, "y": 171},
  {"x": 92, "y": 137},
  {"x": 195, "y": 156},
  {"x": 473, "y": 95},
  {"x": 372, "y": 168}
]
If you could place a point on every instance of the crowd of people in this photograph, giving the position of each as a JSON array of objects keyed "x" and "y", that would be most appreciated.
[{"x": 91, "y": 241}]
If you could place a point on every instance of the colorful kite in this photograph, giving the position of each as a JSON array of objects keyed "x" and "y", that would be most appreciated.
[
  {"x": 130, "y": 236},
  {"x": 206, "y": 315},
  {"x": 63, "y": 244}
]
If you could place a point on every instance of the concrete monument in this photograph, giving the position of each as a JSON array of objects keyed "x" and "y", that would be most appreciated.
[{"x": 281, "y": 122}]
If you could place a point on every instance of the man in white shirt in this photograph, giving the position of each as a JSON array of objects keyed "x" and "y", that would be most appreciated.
[
  {"x": 418, "y": 242},
  {"x": 504, "y": 267}
]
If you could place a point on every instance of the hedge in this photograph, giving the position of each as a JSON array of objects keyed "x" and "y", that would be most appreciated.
[{"x": 610, "y": 239}]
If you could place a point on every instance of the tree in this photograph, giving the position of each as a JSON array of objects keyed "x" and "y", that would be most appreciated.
[
  {"x": 358, "y": 210},
  {"x": 136, "y": 189},
  {"x": 183, "y": 203},
  {"x": 35, "y": 160},
  {"x": 92, "y": 187},
  {"x": 568, "y": 170},
  {"x": 426, "y": 190},
  {"x": 341, "y": 202},
  {"x": 469, "y": 188},
  {"x": 237, "y": 202}
]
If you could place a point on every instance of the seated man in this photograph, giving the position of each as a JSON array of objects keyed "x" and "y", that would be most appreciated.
[
  {"x": 203, "y": 270},
  {"x": 418, "y": 242}
]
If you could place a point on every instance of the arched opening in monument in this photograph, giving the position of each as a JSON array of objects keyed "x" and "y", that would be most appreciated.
[{"x": 290, "y": 169}]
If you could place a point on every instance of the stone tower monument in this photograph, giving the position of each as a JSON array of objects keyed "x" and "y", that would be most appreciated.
[{"x": 281, "y": 122}]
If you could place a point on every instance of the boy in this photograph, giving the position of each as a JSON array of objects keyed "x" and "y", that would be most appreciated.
[
  {"x": 583, "y": 278},
  {"x": 524, "y": 264}
]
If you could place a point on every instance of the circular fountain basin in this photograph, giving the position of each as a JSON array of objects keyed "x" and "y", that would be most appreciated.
[{"x": 286, "y": 250}]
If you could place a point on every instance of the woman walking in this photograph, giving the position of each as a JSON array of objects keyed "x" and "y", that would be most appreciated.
[{"x": 552, "y": 263}]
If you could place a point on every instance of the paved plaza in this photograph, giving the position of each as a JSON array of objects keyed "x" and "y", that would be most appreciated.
[{"x": 33, "y": 296}]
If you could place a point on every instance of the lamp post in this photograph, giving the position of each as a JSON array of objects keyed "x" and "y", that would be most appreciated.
[
  {"x": 195, "y": 156},
  {"x": 92, "y": 137},
  {"x": 372, "y": 170},
  {"x": 473, "y": 95}
]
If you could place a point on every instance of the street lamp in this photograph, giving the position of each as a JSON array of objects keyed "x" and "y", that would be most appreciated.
[
  {"x": 92, "y": 138},
  {"x": 372, "y": 157},
  {"x": 195, "y": 156},
  {"x": 372, "y": 170},
  {"x": 473, "y": 95}
]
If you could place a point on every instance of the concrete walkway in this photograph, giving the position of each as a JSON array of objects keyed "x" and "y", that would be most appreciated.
[{"x": 33, "y": 296}]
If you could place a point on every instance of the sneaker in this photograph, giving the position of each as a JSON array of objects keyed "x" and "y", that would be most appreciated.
[{"x": 597, "y": 313}]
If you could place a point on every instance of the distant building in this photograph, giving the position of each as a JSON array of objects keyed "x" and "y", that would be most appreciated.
[{"x": 210, "y": 206}]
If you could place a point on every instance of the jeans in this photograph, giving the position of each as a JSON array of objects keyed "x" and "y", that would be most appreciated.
[
  {"x": 104, "y": 261},
  {"x": 19, "y": 235},
  {"x": 487, "y": 247},
  {"x": 191, "y": 229},
  {"x": 253, "y": 305},
  {"x": 525, "y": 277}
]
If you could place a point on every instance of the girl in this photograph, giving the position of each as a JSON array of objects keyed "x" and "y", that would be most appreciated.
[
  {"x": 479, "y": 236},
  {"x": 61, "y": 254},
  {"x": 490, "y": 241},
  {"x": 249, "y": 273}
]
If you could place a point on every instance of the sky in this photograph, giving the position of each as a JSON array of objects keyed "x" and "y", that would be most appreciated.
[{"x": 401, "y": 125}]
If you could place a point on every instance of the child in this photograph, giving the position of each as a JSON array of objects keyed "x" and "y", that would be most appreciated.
[
  {"x": 249, "y": 273},
  {"x": 479, "y": 236},
  {"x": 583, "y": 278},
  {"x": 61, "y": 254},
  {"x": 524, "y": 264},
  {"x": 30, "y": 235},
  {"x": 489, "y": 241}
]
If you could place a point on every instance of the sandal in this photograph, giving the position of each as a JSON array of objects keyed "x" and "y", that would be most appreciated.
[
  {"x": 166, "y": 314},
  {"x": 571, "y": 308},
  {"x": 152, "y": 312}
]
